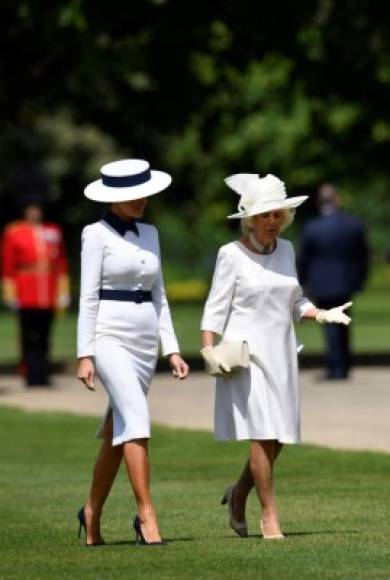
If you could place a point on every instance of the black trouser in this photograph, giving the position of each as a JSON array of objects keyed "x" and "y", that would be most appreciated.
[
  {"x": 35, "y": 326},
  {"x": 338, "y": 358}
]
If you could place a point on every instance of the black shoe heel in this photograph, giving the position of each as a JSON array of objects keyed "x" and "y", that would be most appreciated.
[
  {"x": 139, "y": 537},
  {"x": 81, "y": 518}
]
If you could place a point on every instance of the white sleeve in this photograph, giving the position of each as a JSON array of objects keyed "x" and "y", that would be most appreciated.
[
  {"x": 92, "y": 248},
  {"x": 217, "y": 307},
  {"x": 301, "y": 303},
  {"x": 168, "y": 339}
]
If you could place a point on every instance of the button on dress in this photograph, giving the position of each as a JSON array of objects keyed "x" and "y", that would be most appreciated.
[
  {"x": 123, "y": 337},
  {"x": 255, "y": 297}
]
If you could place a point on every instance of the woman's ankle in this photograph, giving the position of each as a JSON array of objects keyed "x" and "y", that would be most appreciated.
[
  {"x": 240, "y": 494},
  {"x": 146, "y": 513},
  {"x": 269, "y": 515},
  {"x": 93, "y": 509}
]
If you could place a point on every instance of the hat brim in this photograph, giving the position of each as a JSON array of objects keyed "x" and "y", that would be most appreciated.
[
  {"x": 97, "y": 191},
  {"x": 289, "y": 203}
]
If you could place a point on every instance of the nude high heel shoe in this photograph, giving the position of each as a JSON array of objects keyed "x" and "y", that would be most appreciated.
[
  {"x": 270, "y": 536},
  {"x": 239, "y": 527}
]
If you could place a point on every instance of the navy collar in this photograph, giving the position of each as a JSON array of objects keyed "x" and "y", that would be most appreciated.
[{"x": 120, "y": 225}]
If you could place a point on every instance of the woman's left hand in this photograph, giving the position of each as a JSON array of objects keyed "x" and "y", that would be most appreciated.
[
  {"x": 334, "y": 315},
  {"x": 180, "y": 368}
]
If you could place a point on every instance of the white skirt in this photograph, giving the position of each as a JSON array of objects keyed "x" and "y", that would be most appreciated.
[
  {"x": 251, "y": 405},
  {"x": 126, "y": 348}
]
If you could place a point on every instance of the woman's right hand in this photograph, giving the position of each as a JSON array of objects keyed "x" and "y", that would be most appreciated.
[
  {"x": 86, "y": 372},
  {"x": 215, "y": 366}
]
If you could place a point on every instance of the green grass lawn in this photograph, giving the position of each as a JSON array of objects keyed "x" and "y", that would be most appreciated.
[
  {"x": 334, "y": 507},
  {"x": 370, "y": 329}
]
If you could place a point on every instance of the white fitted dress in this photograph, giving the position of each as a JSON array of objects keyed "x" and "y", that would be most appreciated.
[
  {"x": 123, "y": 337},
  {"x": 255, "y": 297}
]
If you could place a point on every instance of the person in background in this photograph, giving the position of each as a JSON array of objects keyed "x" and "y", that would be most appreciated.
[
  {"x": 333, "y": 265},
  {"x": 35, "y": 283}
]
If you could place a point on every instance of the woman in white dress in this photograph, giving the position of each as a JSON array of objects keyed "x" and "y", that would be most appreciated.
[
  {"x": 123, "y": 315},
  {"x": 254, "y": 297}
]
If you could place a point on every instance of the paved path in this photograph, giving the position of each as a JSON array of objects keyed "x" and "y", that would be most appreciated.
[{"x": 352, "y": 414}]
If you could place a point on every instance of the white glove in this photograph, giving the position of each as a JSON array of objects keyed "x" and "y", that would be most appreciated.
[
  {"x": 334, "y": 315},
  {"x": 215, "y": 366}
]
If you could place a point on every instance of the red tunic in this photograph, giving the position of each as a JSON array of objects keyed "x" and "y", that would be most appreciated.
[{"x": 34, "y": 259}]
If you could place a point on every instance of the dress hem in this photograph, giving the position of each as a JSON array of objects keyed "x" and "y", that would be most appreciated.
[
  {"x": 119, "y": 439},
  {"x": 124, "y": 439},
  {"x": 284, "y": 440}
]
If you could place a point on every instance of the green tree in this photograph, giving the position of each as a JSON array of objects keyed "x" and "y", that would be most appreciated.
[{"x": 202, "y": 89}]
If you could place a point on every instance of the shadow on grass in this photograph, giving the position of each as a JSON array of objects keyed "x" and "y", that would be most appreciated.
[
  {"x": 322, "y": 533},
  {"x": 306, "y": 533},
  {"x": 293, "y": 534},
  {"x": 133, "y": 542}
]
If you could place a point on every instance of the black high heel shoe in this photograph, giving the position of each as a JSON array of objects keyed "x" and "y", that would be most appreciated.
[
  {"x": 83, "y": 525},
  {"x": 139, "y": 537}
]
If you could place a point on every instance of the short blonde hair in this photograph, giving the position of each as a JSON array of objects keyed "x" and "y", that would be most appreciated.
[{"x": 247, "y": 224}]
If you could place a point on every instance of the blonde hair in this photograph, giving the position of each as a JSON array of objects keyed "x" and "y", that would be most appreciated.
[{"x": 247, "y": 224}]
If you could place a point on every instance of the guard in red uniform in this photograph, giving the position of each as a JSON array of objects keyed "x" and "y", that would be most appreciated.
[{"x": 35, "y": 283}]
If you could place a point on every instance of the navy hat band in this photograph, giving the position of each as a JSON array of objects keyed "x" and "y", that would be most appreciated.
[{"x": 126, "y": 180}]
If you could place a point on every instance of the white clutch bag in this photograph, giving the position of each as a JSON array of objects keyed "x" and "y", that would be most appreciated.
[{"x": 234, "y": 353}]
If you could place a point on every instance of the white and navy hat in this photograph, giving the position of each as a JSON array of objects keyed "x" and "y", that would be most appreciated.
[
  {"x": 126, "y": 180},
  {"x": 260, "y": 194}
]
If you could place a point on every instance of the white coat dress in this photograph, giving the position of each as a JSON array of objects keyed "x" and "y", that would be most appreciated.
[
  {"x": 123, "y": 337},
  {"x": 254, "y": 297}
]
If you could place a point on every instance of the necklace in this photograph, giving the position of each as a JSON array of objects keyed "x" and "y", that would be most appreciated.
[{"x": 259, "y": 247}]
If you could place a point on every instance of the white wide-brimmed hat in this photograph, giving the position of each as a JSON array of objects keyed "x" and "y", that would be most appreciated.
[
  {"x": 260, "y": 194},
  {"x": 126, "y": 180}
]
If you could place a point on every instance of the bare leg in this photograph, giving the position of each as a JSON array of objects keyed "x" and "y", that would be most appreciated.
[
  {"x": 262, "y": 458},
  {"x": 105, "y": 470},
  {"x": 244, "y": 485},
  {"x": 136, "y": 457},
  {"x": 240, "y": 493}
]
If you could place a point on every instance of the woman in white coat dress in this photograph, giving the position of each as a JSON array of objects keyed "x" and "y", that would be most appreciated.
[
  {"x": 254, "y": 297},
  {"x": 123, "y": 315}
]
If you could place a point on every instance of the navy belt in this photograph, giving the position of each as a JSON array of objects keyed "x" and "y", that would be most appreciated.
[{"x": 137, "y": 296}]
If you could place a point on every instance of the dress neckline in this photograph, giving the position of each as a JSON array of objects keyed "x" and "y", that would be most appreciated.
[
  {"x": 253, "y": 253},
  {"x": 119, "y": 225}
]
